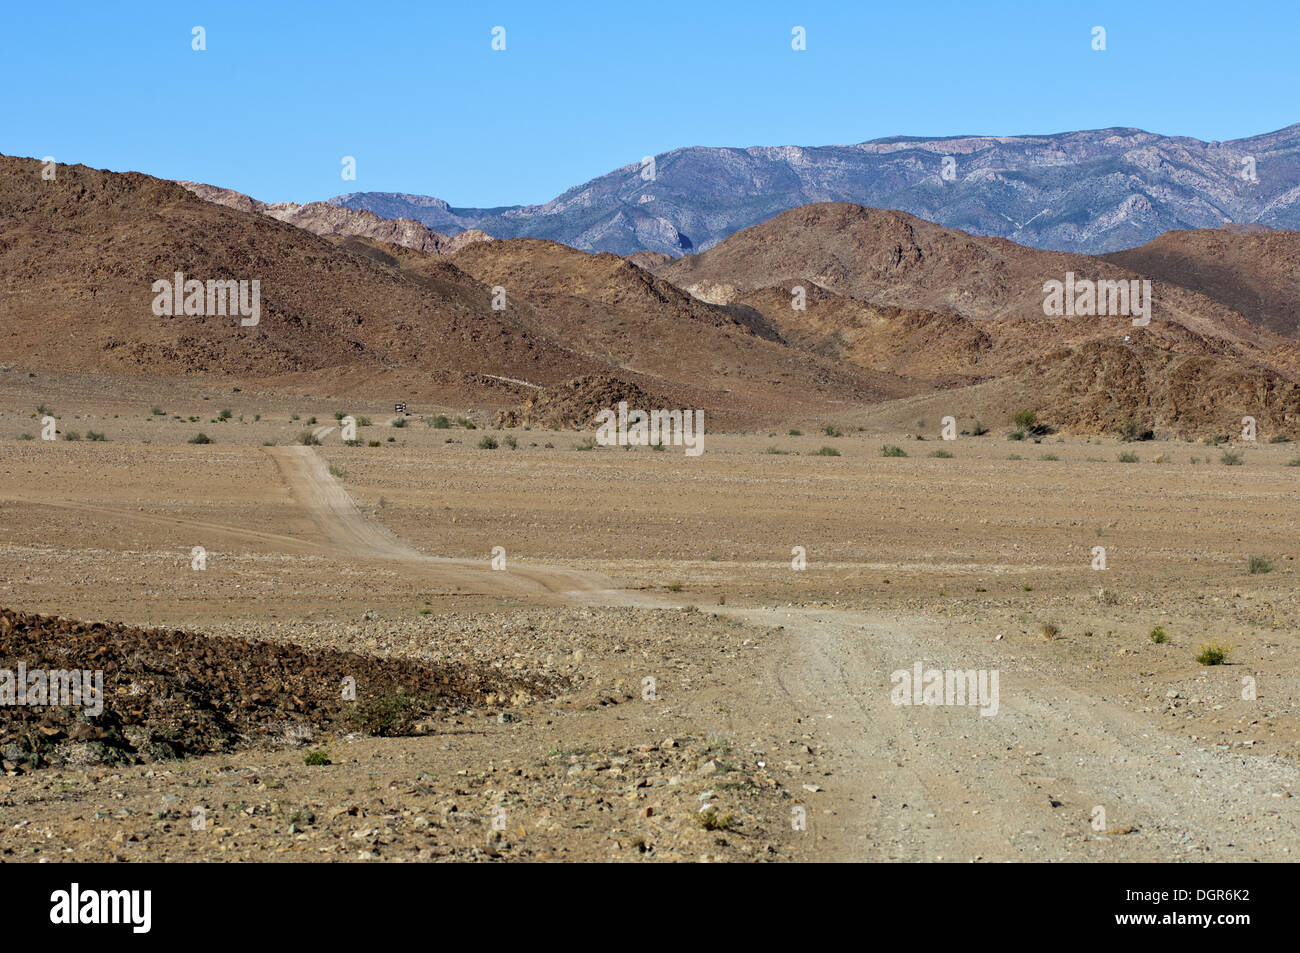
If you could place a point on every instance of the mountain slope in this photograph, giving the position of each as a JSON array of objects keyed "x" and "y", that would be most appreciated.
[
  {"x": 1254, "y": 273},
  {"x": 896, "y": 294},
  {"x": 79, "y": 256},
  {"x": 1092, "y": 191}
]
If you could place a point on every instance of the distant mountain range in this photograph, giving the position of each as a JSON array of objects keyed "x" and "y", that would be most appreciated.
[
  {"x": 1091, "y": 192},
  {"x": 820, "y": 309}
]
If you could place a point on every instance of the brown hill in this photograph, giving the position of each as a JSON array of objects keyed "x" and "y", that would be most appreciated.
[
  {"x": 321, "y": 218},
  {"x": 896, "y": 294},
  {"x": 345, "y": 313},
  {"x": 607, "y": 309},
  {"x": 79, "y": 256},
  {"x": 1255, "y": 273},
  {"x": 573, "y": 404}
]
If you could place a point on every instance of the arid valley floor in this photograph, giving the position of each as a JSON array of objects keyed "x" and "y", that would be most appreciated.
[{"x": 771, "y": 686}]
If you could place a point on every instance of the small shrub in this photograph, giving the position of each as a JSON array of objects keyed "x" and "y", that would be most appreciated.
[
  {"x": 1259, "y": 564},
  {"x": 1279, "y": 438},
  {"x": 1051, "y": 631},
  {"x": 1051, "y": 457},
  {"x": 1132, "y": 429},
  {"x": 225, "y": 414},
  {"x": 1025, "y": 419},
  {"x": 488, "y": 443},
  {"x": 1294, "y": 463},
  {"x": 1128, "y": 457},
  {"x": 399, "y": 422},
  {"x": 795, "y": 432},
  {"x": 674, "y": 587},
  {"x": 374, "y": 443},
  {"x": 979, "y": 429},
  {"x": 339, "y": 415},
  {"x": 157, "y": 411},
  {"x": 311, "y": 421},
  {"x": 1016, "y": 435},
  {"x": 889, "y": 450},
  {"x": 710, "y": 821},
  {"x": 389, "y": 713},
  {"x": 832, "y": 431},
  {"x": 96, "y": 435},
  {"x": 440, "y": 422},
  {"x": 308, "y": 439},
  {"x": 513, "y": 444},
  {"x": 941, "y": 454},
  {"x": 199, "y": 438},
  {"x": 827, "y": 452},
  {"x": 1218, "y": 440},
  {"x": 586, "y": 444},
  {"x": 466, "y": 423},
  {"x": 777, "y": 450},
  {"x": 72, "y": 435},
  {"x": 1158, "y": 635},
  {"x": 1230, "y": 458},
  {"x": 335, "y": 472},
  {"x": 317, "y": 758},
  {"x": 25, "y": 436},
  {"x": 1212, "y": 653}
]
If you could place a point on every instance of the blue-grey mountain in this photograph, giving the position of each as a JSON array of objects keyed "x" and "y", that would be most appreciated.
[{"x": 1092, "y": 192}]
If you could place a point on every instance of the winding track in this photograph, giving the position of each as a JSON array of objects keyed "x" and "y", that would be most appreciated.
[{"x": 924, "y": 783}]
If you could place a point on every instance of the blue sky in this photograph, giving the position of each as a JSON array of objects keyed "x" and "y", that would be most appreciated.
[{"x": 415, "y": 92}]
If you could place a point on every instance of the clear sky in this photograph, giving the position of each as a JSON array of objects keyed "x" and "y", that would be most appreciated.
[{"x": 415, "y": 92}]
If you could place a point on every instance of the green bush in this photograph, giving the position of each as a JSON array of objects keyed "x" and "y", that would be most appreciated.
[
  {"x": 827, "y": 452},
  {"x": 200, "y": 438},
  {"x": 487, "y": 443},
  {"x": 1259, "y": 564},
  {"x": 1212, "y": 653},
  {"x": 1025, "y": 419},
  {"x": 889, "y": 450},
  {"x": 308, "y": 439}
]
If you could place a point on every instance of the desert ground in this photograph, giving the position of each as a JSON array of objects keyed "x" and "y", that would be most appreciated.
[{"x": 695, "y": 697}]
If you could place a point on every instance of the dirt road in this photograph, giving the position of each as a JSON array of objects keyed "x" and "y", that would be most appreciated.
[
  {"x": 1056, "y": 773},
  {"x": 348, "y": 534}
]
